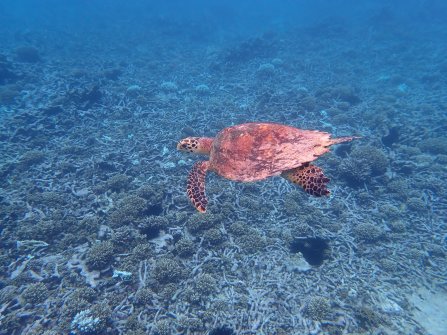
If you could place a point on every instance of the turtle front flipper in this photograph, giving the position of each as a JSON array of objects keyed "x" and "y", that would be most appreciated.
[
  {"x": 310, "y": 177},
  {"x": 196, "y": 185}
]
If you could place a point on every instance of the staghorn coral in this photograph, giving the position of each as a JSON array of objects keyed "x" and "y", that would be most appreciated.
[
  {"x": 151, "y": 225},
  {"x": 10, "y": 323},
  {"x": 356, "y": 173},
  {"x": 390, "y": 212},
  {"x": 238, "y": 228},
  {"x": 89, "y": 224},
  {"x": 125, "y": 237},
  {"x": 143, "y": 297},
  {"x": 79, "y": 300},
  {"x": 251, "y": 241},
  {"x": 100, "y": 256},
  {"x": 191, "y": 324},
  {"x": 388, "y": 265},
  {"x": 316, "y": 308},
  {"x": 74, "y": 304},
  {"x": 154, "y": 197},
  {"x": 397, "y": 226},
  {"x": 128, "y": 266},
  {"x": 167, "y": 270},
  {"x": 31, "y": 158},
  {"x": 118, "y": 183},
  {"x": 85, "y": 322},
  {"x": 143, "y": 251},
  {"x": 44, "y": 230},
  {"x": 213, "y": 237},
  {"x": 7, "y": 293},
  {"x": 399, "y": 187},
  {"x": 416, "y": 205},
  {"x": 363, "y": 164},
  {"x": 193, "y": 296},
  {"x": 368, "y": 232},
  {"x": 378, "y": 161},
  {"x": 222, "y": 330},
  {"x": 206, "y": 284},
  {"x": 185, "y": 247},
  {"x": 162, "y": 327},
  {"x": 368, "y": 318},
  {"x": 35, "y": 293},
  {"x": 249, "y": 49},
  {"x": 129, "y": 209},
  {"x": 49, "y": 199},
  {"x": 50, "y": 332},
  {"x": 168, "y": 291},
  {"x": 435, "y": 146},
  {"x": 198, "y": 223},
  {"x": 301, "y": 229},
  {"x": 436, "y": 250}
]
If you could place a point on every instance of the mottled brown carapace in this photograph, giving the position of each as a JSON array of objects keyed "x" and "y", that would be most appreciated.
[{"x": 255, "y": 151}]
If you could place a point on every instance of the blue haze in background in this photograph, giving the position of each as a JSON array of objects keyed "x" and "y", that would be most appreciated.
[{"x": 97, "y": 234}]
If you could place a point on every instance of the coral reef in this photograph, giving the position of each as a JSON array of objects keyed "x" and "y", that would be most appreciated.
[
  {"x": 97, "y": 233},
  {"x": 100, "y": 255},
  {"x": 435, "y": 146},
  {"x": 27, "y": 54},
  {"x": 363, "y": 164},
  {"x": 168, "y": 270},
  {"x": 368, "y": 232},
  {"x": 185, "y": 247},
  {"x": 317, "y": 308},
  {"x": 7, "y": 74},
  {"x": 35, "y": 293}
]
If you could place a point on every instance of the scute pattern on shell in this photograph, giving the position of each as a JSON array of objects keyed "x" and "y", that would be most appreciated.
[{"x": 255, "y": 151}]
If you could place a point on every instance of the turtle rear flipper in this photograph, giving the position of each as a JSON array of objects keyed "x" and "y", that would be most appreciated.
[
  {"x": 310, "y": 177},
  {"x": 196, "y": 186}
]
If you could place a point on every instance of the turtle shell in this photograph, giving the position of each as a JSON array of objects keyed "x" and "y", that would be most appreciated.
[{"x": 255, "y": 151}]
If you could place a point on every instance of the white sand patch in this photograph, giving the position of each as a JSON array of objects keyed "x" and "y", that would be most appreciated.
[{"x": 430, "y": 310}]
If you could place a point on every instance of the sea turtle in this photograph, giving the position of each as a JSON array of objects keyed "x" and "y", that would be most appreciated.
[{"x": 255, "y": 151}]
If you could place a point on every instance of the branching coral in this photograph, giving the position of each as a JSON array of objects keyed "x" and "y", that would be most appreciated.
[
  {"x": 100, "y": 255},
  {"x": 85, "y": 323},
  {"x": 35, "y": 293},
  {"x": 316, "y": 308},
  {"x": 363, "y": 164},
  {"x": 368, "y": 232},
  {"x": 213, "y": 237},
  {"x": 206, "y": 284},
  {"x": 168, "y": 270},
  {"x": 129, "y": 209},
  {"x": 185, "y": 247}
]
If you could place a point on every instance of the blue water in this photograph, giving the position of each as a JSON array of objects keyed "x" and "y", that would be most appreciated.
[{"x": 97, "y": 233}]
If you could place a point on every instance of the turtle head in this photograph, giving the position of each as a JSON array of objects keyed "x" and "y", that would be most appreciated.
[{"x": 199, "y": 145}]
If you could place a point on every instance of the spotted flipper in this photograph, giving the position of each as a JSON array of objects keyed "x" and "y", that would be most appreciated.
[
  {"x": 196, "y": 186},
  {"x": 310, "y": 178}
]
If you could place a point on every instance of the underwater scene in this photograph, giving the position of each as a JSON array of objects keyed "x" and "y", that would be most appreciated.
[{"x": 223, "y": 167}]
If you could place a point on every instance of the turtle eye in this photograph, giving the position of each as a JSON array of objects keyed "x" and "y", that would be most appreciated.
[{"x": 184, "y": 145}]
